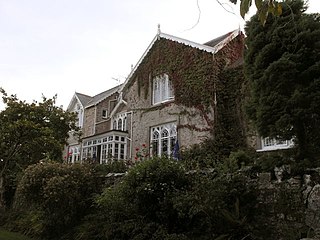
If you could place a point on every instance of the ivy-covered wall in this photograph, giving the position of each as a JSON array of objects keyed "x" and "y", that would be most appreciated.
[{"x": 207, "y": 90}]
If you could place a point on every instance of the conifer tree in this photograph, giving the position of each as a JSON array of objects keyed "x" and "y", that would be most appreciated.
[{"x": 282, "y": 66}]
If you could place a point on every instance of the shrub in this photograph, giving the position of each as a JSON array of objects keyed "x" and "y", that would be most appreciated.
[
  {"x": 139, "y": 207},
  {"x": 57, "y": 196}
]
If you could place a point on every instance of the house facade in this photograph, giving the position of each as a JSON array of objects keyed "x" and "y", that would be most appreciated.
[{"x": 167, "y": 103}]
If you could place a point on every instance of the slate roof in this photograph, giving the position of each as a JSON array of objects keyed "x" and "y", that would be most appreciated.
[
  {"x": 215, "y": 41},
  {"x": 101, "y": 96},
  {"x": 84, "y": 99}
]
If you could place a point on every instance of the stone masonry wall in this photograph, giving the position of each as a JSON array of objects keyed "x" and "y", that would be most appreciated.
[{"x": 192, "y": 127}]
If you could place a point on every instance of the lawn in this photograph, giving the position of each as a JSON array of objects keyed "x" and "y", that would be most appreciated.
[{"x": 5, "y": 235}]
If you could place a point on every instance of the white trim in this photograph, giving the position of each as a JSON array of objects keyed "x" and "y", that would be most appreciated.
[{"x": 275, "y": 145}]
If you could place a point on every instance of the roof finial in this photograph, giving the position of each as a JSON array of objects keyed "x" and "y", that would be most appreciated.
[{"x": 159, "y": 31}]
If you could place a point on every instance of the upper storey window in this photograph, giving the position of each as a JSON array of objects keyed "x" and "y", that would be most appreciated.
[
  {"x": 79, "y": 111},
  {"x": 162, "y": 89}
]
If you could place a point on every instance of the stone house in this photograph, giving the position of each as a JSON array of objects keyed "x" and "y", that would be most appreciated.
[
  {"x": 97, "y": 139},
  {"x": 168, "y": 100},
  {"x": 171, "y": 92},
  {"x": 167, "y": 103}
]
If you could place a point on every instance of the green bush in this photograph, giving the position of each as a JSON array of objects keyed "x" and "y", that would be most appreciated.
[
  {"x": 52, "y": 198},
  {"x": 140, "y": 206},
  {"x": 158, "y": 199}
]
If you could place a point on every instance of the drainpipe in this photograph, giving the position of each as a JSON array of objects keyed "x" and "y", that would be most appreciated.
[{"x": 95, "y": 120}]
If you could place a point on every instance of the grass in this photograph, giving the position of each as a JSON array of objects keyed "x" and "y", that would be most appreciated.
[{"x": 6, "y": 235}]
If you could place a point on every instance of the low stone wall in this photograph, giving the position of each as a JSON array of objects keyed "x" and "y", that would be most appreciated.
[{"x": 288, "y": 209}]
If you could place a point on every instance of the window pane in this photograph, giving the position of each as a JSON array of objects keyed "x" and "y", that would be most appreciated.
[
  {"x": 155, "y": 147},
  {"x": 116, "y": 150},
  {"x": 119, "y": 124},
  {"x": 121, "y": 151},
  {"x": 164, "y": 147}
]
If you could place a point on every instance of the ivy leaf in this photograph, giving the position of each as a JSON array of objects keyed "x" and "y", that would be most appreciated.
[
  {"x": 244, "y": 7},
  {"x": 278, "y": 9},
  {"x": 258, "y": 4},
  {"x": 263, "y": 13}
]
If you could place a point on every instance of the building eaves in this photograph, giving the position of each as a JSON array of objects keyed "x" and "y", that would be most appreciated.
[
  {"x": 101, "y": 96},
  {"x": 84, "y": 99}
]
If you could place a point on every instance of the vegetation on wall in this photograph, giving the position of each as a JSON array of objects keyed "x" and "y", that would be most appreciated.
[{"x": 205, "y": 81}]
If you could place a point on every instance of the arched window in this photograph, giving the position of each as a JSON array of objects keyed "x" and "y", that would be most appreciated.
[
  {"x": 125, "y": 124},
  {"x": 163, "y": 139},
  {"x": 119, "y": 124}
]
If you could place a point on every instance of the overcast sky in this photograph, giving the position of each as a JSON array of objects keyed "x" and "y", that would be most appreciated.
[{"x": 61, "y": 46}]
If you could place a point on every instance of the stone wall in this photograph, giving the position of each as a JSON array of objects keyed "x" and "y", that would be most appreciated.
[
  {"x": 288, "y": 209},
  {"x": 192, "y": 126}
]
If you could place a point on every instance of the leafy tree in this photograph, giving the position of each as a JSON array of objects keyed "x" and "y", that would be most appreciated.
[
  {"x": 30, "y": 133},
  {"x": 282, "y": 66}
]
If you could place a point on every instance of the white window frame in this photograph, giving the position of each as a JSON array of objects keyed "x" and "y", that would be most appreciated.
[
  {"x": 120, "y": 122},
  {"x": 104, "y": 113},
  {"x": 162, "y": 89},
  {"x": 79, "y": 111},
  {"x": 270, "y": 144},
  {"x": 73, "y": 154},
  {"x": 112, "y": 147},
  {"x": 163, "y": 139}
]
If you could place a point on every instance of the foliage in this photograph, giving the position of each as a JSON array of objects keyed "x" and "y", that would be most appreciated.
[
  {"x": 12, "y": 236},
  {"x": 229, "y": 131},
  {"x": 142, "y": 154},
  {"x": 52, "y": 197},
  {"x": 282, "y": 65},
  {"x": 264, "y": 8},
  {"x": 30, "y": 133},
  {"x": 159, "y": 200},
  {"x": 139, "y": 207},
  {"x": 191, "y": 70}
]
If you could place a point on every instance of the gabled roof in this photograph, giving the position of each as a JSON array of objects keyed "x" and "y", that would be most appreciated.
[
  {"x": 212, "y": 46},
  {"x": 101, "y": 96},
  {"x": 80, "y": 98},
  {"x": 215, "y": 41},
  {"x": 84, "y": 99}
]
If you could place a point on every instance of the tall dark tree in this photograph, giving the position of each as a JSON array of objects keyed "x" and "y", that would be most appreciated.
[
  {"x": 30, "y": 133},
  {"x": 282, "y": 66}
]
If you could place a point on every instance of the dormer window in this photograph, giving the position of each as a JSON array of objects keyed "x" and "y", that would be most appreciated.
[
  {"x": 104, "y": 113},
  {"x": 162, "y": 89}
]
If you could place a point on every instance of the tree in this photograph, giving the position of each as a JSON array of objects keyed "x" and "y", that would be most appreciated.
[
  {"x": 282, "y": 66},
  {"x": 30, "y": 133}
]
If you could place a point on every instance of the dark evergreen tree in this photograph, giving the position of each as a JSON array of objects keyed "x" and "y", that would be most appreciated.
[{"x": 282, "y": 66}]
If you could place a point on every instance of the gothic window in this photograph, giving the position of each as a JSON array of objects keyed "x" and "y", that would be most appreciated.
[{"x": 163, "y": 139}]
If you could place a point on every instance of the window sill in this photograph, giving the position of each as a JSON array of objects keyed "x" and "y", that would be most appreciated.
[
  {"x": 163, "y": 102},
  {"x": 274, "y": 148}
]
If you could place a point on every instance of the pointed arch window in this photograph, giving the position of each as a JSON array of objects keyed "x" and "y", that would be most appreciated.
[{"x": 163, "y": 139}]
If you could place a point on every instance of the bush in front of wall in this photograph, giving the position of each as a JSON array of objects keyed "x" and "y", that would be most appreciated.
[{"x": 52, "y": 198}]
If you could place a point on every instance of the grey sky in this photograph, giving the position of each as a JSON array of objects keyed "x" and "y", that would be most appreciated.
[{"x": 63, "y": 46}]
